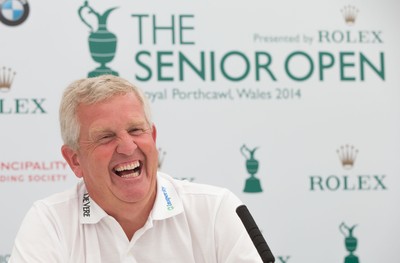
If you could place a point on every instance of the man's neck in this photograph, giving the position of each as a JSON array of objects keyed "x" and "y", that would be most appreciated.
[{"x": 133, "y": 216}]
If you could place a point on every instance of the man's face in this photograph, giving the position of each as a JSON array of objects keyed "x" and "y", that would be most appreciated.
[{"x": 117, "y": 155}]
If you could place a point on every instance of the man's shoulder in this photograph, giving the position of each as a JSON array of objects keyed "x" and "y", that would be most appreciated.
[
  {"x": 196, "y": 190},
  {"x": 63, "y": 199},
  {"x": 201, "y": 198}
]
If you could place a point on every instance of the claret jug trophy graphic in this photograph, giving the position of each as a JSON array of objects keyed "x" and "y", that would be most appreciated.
[
  {"x": 252, "y": 183},
  {"x": 350, "y": 242},
  {"x": 102, "y": 43}
]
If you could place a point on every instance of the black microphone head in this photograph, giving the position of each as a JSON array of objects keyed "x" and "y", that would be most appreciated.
[
  {"x": 255, "y": 234},
  {"x": 246, "y": 217}
]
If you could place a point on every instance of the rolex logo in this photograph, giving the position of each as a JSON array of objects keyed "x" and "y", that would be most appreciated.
[
  {"x": 6, "y": 78},
  {"x": 349, "y": 14},
  {"x": 347, "y": 155}
]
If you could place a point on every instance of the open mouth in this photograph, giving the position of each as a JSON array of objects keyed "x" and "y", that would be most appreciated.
[{"x": 128, "y": 170}]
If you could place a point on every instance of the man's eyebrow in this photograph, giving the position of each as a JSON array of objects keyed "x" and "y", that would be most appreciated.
[{"x": 137, "y": 123}]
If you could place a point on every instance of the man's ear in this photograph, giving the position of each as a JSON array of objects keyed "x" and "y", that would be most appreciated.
[
  {"x": 72, "y": 159},
  {"x": 154, "y": 133}
]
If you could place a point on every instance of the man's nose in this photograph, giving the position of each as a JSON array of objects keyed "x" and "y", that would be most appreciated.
[{"x": 126, "y": 145}]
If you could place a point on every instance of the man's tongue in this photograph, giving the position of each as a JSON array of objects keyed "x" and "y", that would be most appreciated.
[
  {"x": 126, "y": 172},
  {"x": 129, "y": 172}
]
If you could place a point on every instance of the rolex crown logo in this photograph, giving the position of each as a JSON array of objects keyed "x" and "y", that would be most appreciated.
[
  {"x": 6, "y": 78},
  {"x": 347, "y": 155},
  {"x": 350, "y": 14}
]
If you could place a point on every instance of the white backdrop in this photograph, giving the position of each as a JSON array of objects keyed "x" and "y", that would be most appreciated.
[{"x": 293, "y": 81}]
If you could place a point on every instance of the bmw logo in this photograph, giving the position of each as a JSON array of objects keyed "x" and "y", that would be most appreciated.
[{"x": 13, "y": 12}]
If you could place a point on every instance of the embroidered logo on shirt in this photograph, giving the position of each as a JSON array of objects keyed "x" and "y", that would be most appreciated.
[
  {"x": 86, "y": 205},
  {"x": 167, "y": 198}
]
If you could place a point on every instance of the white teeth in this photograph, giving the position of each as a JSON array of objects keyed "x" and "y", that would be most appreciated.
[
  {"x": 130, "y": 175},
  {"x": 125, "y": 167}
]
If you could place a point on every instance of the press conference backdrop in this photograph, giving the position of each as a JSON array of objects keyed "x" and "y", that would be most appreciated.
[{"x": 292, "y": 105}]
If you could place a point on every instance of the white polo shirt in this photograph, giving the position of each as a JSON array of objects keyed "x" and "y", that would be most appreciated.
[{"x": 189, "y": 223}]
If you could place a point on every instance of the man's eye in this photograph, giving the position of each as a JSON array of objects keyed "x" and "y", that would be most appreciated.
[
  {"x": 104, "y": 138},
  {"x": 137, "y": 131}
]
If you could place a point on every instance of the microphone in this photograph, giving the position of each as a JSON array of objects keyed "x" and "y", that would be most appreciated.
[{"x": 255, "y": 234}]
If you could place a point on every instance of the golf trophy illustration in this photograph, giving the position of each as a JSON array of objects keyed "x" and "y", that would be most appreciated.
[
  {"x": 102, "y": 43},
  {"x": 252, "y": 183},
  {"x": 350, "y": 243}
]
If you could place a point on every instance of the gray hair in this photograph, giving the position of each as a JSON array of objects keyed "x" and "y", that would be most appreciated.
[{"x": 90, "y": 91}]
